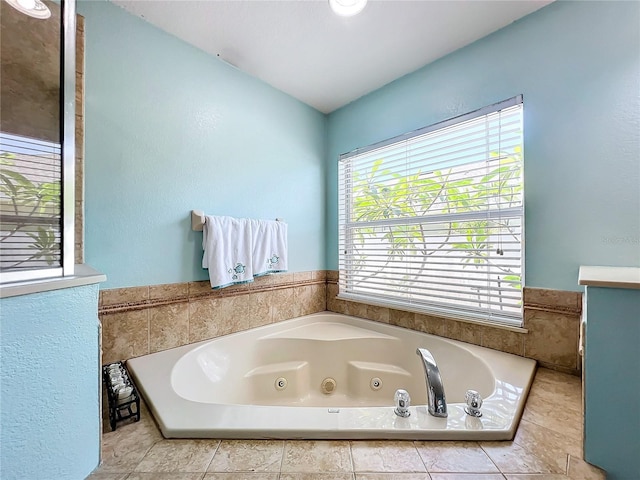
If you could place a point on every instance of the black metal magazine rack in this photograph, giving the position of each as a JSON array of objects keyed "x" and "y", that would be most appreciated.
[{"x": 122, "y": 395}]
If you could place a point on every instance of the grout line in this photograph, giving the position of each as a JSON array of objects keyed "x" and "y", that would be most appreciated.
[
  {"x": 284, "y": 445},
  {"x": 353, "y": 465},
  {"x": 420, "y": 457},
  {"x": 212, "y": 457}
]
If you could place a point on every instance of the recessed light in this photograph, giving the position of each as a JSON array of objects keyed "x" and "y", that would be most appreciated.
[
  {"x": 347, "y": 8},
  {"x": 33, "y": 8}
]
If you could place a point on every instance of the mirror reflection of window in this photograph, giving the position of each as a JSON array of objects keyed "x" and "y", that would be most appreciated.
[{"x": 30, "y": 135}]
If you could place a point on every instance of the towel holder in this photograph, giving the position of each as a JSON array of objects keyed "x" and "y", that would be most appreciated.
[{"x": 197, "y": 220}]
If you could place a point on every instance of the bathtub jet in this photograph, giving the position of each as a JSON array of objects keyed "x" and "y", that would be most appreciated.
[{"x": 331, "y": 376}]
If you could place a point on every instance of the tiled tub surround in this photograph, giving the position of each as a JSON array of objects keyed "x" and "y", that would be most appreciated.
[
  {"x": 141, "y": 320},
  {"x": 547, "y": 446},
  {"x": 551, "y": 321}
]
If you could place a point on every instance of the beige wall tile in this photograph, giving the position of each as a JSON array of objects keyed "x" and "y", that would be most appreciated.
[
  {"x": 204, "y": 319},
  {"x": 118, "y": 296},
  {"x": 333, "y": 303},
  {"x": 302, "y": 277},
  {"x": 379, "y": 314},
  {"x": 402, "y": 318},
  {"x": 168, "y": 291},
  {"x": 234, "y": 314},
  {"x": 552, "y": 298},
  {"x": 168, "y": 326},
  {"x": 125, "y": 335},
  {"x": 264, "y": 281},
  {"x": 283, "y": 304},
  {"x": 465, "y": 332},
  {"x": 552, "y": 337},
  {"x": 429, "y": 324},
  {"x": 356, "y": 309},
  {"x": 309, "y": 299},
  {"x": 199, "y": 288},
  {"x": 320, "y": 275},
  {"x": 259, "y": 309},
  {"x": 332, "y": 275},
  {"x": 503, "y": 340},
  {"x": 283, "y": 278}
]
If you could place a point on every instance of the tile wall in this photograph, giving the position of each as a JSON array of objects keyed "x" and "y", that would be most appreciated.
[{"x": 141, "y": 320}]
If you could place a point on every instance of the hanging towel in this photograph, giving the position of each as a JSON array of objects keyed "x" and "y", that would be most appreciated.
[
  {"x": 270, "y": 250},
  {"x": 227, "y": 245}
]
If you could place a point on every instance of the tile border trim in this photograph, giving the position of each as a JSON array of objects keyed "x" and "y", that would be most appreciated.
[{"x": 198, "y": 295}]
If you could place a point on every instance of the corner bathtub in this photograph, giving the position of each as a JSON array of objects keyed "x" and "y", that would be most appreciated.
[{"x": 274, "y": 382}]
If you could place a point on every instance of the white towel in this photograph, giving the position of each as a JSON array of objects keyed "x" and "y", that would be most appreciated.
[
  {"x": 270, "y": 249},
  {"x": 227, "y": 245}
]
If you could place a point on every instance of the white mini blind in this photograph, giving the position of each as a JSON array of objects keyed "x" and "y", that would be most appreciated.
[
  {"x": 432, "y": 221},
  {"x": 30, "y": 204}
]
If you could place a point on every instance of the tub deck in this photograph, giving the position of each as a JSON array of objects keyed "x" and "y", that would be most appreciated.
[{"x": 232, "y": 386}]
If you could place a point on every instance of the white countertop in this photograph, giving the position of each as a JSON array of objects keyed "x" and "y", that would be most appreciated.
[{"x": 613, "y": 277}]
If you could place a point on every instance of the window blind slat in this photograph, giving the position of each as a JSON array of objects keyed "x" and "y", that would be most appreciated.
[
  {"x": 436, "y": 219},
  {"x": 30, "y": 204}
]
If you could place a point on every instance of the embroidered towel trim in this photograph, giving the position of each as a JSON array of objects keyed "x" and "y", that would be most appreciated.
[{"x": 227, "y": 244}]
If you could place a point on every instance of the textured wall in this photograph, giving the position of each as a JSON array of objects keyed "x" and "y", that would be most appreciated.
[
  {"x": 578, "y": 66},
  {"x": 49, "y": 377},
  {"x": 170, "y": 129}
]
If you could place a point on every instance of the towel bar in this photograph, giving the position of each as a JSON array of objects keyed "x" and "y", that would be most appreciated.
[{"x": 197, "y": 220}]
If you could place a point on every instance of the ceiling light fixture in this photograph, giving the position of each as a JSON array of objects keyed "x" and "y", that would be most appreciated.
[
  {"x": 33, "y": 8},
  {"x": 347, "y": 8}
]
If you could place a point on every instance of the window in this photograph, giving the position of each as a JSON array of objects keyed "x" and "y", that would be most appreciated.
[
  {"x": 30, "y": 204},
  {"x": 37, "y": 144},
  {"x": 432, "y": 221}
]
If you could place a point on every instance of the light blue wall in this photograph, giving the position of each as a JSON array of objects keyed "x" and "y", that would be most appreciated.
[
  {"x": 170, "y": 129},
  {"x": 612, "y": 382},
  {"x": 49, "y": 376},
  {"x": 578, "y": 66}
]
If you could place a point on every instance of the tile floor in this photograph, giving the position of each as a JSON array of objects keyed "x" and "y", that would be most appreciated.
[{"x": 547, "y": 446}]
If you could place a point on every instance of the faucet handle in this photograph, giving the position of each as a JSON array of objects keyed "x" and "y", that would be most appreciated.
[
  {"x": 474, "y": 402},
  {"x": 403, "y": 402}
]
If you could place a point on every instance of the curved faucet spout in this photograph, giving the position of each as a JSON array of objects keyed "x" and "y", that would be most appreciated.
[{"x": 435, "y": 389}]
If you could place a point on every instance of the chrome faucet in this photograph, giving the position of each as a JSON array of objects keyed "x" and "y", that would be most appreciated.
[{"x": 436, "y": 402}]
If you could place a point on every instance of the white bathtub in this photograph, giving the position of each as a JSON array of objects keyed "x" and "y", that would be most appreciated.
[{"x": 232, "y": 386}]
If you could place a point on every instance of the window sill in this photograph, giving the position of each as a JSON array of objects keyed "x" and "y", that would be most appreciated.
[{"x": 84, "y": 275}]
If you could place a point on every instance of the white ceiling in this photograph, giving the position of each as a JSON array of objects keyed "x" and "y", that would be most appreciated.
[{"x": 302, "y": 48}]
